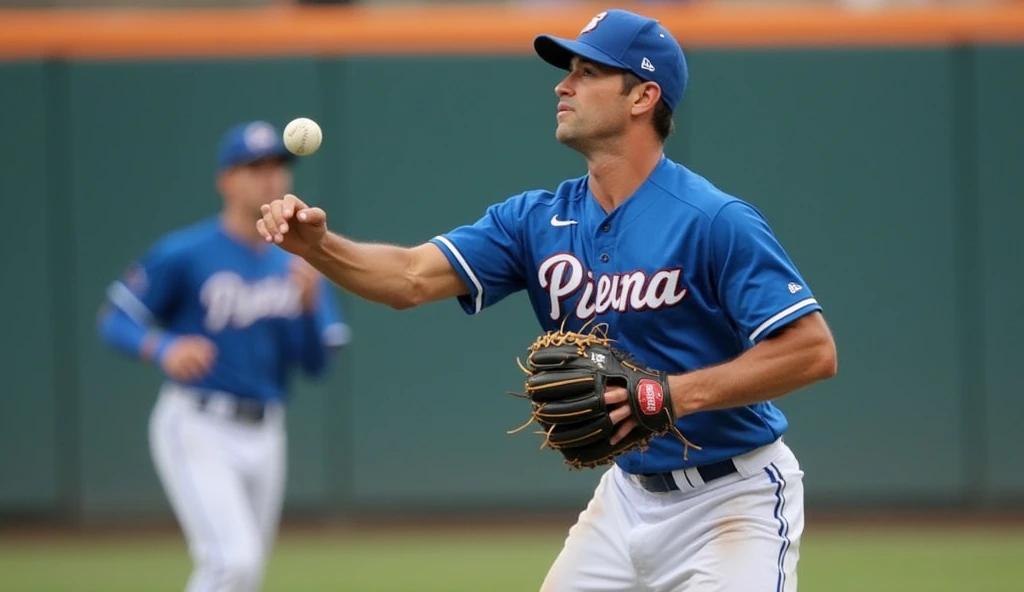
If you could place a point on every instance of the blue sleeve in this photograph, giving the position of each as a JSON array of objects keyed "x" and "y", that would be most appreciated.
[
  {"x": 489, "y": 254},
  {"x": 315, "y": 334},
  {"x": 151, "y": 288},
  {"x": 139, "y": 302},
  {"x": 124, "y": 334},
  {"x": 757, "y": 284}
]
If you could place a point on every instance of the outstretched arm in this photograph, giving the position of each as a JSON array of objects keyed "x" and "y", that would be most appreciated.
[{"x": 397, "y": 276}]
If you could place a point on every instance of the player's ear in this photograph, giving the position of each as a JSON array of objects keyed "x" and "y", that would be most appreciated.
[{"x": 645, "y": 97}]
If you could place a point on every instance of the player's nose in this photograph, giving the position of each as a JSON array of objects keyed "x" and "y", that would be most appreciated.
[{"x": 562, "y": 88}]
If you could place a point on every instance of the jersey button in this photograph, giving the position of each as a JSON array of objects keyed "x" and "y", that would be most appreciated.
[
  {"x": 606, "y": 228},
  {"x": 605, "y": 258}
]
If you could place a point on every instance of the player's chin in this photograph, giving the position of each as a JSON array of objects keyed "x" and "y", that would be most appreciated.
[
  {"x": 565, "y": 133},
  {"x": 570, "y": 137}
]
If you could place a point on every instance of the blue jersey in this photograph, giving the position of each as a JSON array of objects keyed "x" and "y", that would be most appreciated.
[
  {"x": 201, "y": 281},
  {"x": 684, "y": 275}
]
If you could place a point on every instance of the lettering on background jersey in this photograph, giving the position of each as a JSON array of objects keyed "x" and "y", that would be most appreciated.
[
  {"x": 230, "y": 300},
  {"x": 563, "y": 275}
]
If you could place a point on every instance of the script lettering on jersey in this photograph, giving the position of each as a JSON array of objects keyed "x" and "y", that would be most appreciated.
[
  {"x": 230, "y": 300},
  {"x": 563, "y": 275}
]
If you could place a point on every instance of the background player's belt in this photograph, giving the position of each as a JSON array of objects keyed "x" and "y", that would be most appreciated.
[
  {"x": 241, "y": 409},
  {"x": 662, "y": 482}
]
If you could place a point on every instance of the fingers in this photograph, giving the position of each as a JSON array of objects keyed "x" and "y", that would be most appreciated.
[
  {"x": 312, "y": 216},
  {"x": 266, "y": 225},
  {"x": 615, "y": 395},
  {"x": 274, "y": 223},
  {"x": 200, "y": 357},
  {"x": 194, "y": 359},
  {"x": 276, "y": 215},
  {"x": 291, "y": 204},
  {"x": 206, "y": 351},
  {"x": 280, "y": 213},
  {"x": 191, "y": 368},
  {"x": 624, "y": 429},
  {"x": 185, "y": 368},
  {"x": 620, "y": 413}
]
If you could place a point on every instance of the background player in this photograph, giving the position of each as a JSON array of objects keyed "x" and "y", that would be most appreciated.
[
  {"x": 226, "y": 317},
  {"x": 688, "y": 279}
]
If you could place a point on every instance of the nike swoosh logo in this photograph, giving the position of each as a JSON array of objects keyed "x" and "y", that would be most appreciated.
[{"x": 556, "y": 222}]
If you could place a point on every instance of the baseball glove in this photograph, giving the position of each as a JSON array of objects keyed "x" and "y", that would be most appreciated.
[{"x": 567, "y": 373}]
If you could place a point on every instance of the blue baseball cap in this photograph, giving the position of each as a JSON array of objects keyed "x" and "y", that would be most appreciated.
[
  {"x": 626, "y": 40},
  {"x": 248, "y": 142}
]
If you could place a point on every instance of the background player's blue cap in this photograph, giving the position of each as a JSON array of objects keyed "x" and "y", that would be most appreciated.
[
  {"x": 626, "y": 40},
  {"x": 248, "y": 142}
]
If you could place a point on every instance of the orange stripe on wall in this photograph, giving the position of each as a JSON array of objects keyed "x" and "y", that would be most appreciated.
[{"x": 471, "y": 29}]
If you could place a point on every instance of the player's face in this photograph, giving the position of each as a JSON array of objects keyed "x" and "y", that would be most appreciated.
[
  {"x": 253, "y": 185},
  {"x": 591, "y": 105}
]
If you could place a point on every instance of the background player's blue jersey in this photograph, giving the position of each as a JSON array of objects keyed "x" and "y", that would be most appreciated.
[
  {"x": 684, "y": 275},
  {"x": 200, "y": 280}
]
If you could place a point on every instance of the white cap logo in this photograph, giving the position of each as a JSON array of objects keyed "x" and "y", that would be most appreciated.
[
  {"x": 593, "y": 22},
  {"x": 259, "y": 136}
]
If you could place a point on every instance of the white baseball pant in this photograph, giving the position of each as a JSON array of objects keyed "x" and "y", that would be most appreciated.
[
  {"x": 224, "y": 479},
  {"x": 738, "y": 533}
]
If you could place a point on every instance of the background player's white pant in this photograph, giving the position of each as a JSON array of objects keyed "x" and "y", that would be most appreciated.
[
  {"x": 225, "y": 481},
  {"x": 739, "y": 533}
]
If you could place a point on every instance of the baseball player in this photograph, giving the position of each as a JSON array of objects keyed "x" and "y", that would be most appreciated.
[
  {"x": 686, "y": 278},
  {"x": 227, "y": 318}
]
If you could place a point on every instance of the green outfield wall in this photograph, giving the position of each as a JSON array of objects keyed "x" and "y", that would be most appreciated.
[{"x": 893, "y": 176}]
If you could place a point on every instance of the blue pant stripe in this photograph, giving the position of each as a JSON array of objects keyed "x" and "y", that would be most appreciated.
[{"x": 780, "y": 508}]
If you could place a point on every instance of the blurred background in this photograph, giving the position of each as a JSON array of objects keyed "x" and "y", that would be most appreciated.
[{"x": 883, "y": 139}]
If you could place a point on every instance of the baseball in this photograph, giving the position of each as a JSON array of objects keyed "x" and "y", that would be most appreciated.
[{"x": 302, "y": 136}]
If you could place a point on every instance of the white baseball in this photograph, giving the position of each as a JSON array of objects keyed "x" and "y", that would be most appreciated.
[{"x": 302, "y": 136}]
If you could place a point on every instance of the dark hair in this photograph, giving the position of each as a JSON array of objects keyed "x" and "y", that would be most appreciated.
[{"x": 662, "y": 119}]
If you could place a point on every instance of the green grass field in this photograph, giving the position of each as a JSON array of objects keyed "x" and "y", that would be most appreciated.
[{"x": 929, "y": 560}]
